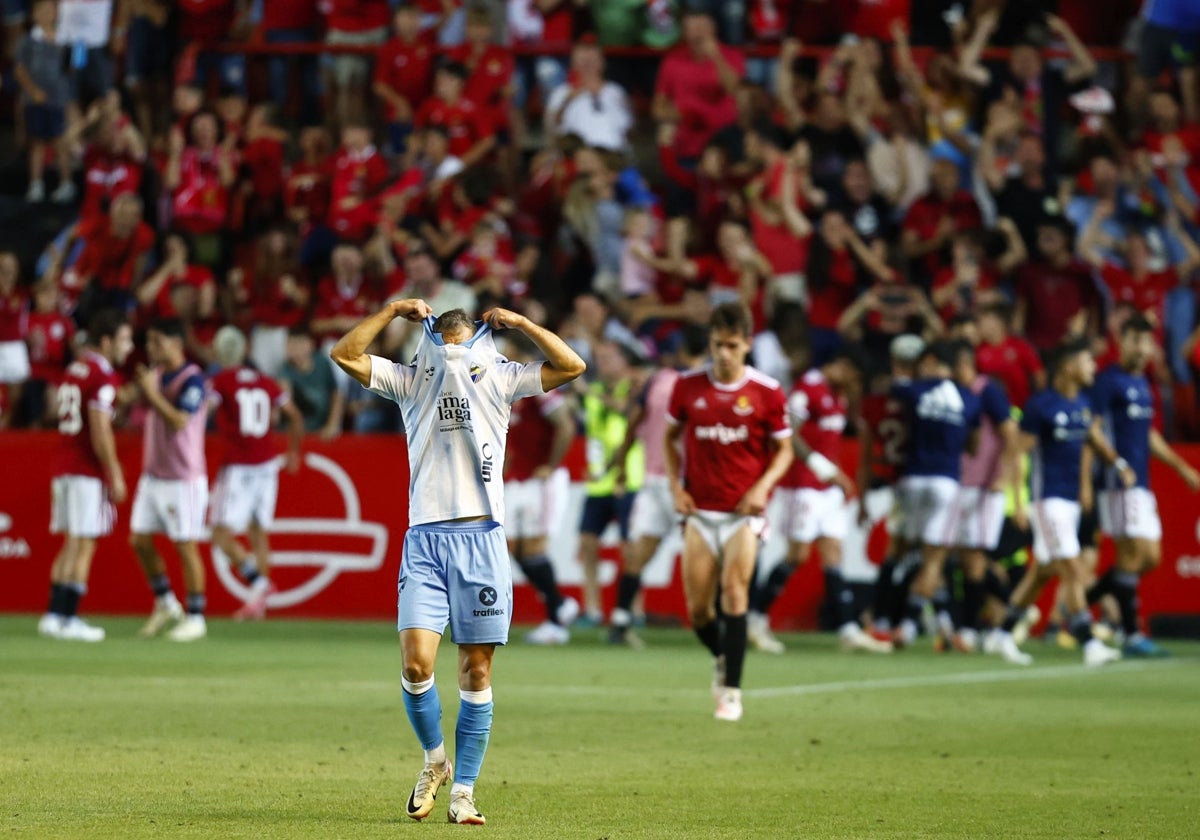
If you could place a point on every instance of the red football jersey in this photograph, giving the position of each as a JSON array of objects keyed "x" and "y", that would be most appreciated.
[
  {"x": 465, "y": 122},
  {"x": 334, "y": 299},
  {"x": 820, "y": 416},
  {"x": 406, "y": 69},
  {"x": 50, "y": 335},
  {"x": 14, "y": 316},
  {"x": 529, "y": 434},
  {"x": 1013, "y": 363},
  {"x": 885, "y": 418},
  {"x": 728, "y": 433},
  {"x": 245, "y": 401},
  {"x": 90, "y": 383}
]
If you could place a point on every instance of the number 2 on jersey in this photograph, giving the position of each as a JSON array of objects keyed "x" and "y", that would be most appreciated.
[{"x": 70, "y": 409}]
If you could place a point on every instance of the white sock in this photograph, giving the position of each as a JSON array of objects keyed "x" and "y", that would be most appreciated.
[
  {"x": 457, "y": 788},
  {"x": 620, "y": 618},
  {"x": 416, "y": 689},
  {"x": 477, "y": 698},
  {"x": 436, "y": 756},
  {"x": 848, "y": 629},
  {"x": 260, "y": 585},
  {"x": 167, "y": 600}
]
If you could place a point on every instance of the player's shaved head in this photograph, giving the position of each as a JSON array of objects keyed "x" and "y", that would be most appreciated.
[
  {"x": 229, "y": 344},
  {"x": 455, "y": 326}
]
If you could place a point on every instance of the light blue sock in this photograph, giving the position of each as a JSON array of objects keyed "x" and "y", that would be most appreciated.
[
  {"x": 471, "y": 735},
  {"x": 424, "y": 709}
]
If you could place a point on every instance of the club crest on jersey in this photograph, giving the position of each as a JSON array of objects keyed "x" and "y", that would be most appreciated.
[
  {"x": 476, "y": 371},
  {"x": 742, "y": 406}
]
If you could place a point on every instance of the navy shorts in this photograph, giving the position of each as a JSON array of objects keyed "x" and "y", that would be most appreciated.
[
  {"x": 44, "y": 122},
  {"x": 457, "y": 573},
  {"x": 598, "y": 511}
]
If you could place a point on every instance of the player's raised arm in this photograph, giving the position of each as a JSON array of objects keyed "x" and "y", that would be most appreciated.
[
  {"x": 562, "y": 363},
  {"x": 350, "y": 353}
]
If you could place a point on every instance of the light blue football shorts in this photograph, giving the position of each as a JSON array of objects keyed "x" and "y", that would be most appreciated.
[{"x": 457, "y": 573}]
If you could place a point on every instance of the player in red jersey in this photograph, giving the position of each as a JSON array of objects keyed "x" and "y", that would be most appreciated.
[
  {"x": 82, "y": 504},
  {"x": 732, "y": 421},
  {"x": 883, "y": 438},
  {"x": 247, "y": 484},
  {"x": 540, "y": 431},
  {"x": 815, "y": 491}
]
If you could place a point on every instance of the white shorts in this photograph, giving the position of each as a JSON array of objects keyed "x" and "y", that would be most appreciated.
[
  {"x": 80, "y": 507},
  {"x": 810, "y": 513},
  {"x": 1130, "y": 514},
  {"x": 930, "y": 508},
  {"x": 981, "y": 517},
  {"x": 653, "y": 512},
  {"x": 245, "y": 493},
  {"x": 14, "y": 362},
  {"x": 532, "y": 507},
  {"x": 717, "y": 528},
  {"x": 1055, "y": 530},
  {"x": 172, "y": 507}
]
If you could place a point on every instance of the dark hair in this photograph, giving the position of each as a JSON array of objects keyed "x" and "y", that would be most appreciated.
[
  {"x": 960, "y": 319},
  {"x": 105, "y": 324},
  {"x": 855, "y": 356},
  {"x": 1064, "y": 351},
  {"x": 170, "y": 327},
  {"x": 455, "y": 319},
  {"x": 455, "y": 68},
  {"x": 299, "y": 331},
  {"x": 942, "y": 352},
  {"x": 960, "y": 348},
  {"x": 732, "y": 316},
  {"x": 1137, "y": 323},
  {"x": 693, "y": 340},
  {"x": 1000, "y": 309}
]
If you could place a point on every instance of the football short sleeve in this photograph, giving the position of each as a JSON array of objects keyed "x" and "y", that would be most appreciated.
[
  {"x": 389, "y": 379},
  {"x": 191, "y": 395},
  {"x": 776, "y": 416},
  {"x": 521, "y": 380}
]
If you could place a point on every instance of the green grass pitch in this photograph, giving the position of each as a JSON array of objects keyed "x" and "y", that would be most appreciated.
[{"x": 293, "y": 729}]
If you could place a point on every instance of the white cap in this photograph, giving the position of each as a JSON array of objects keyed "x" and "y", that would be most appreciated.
[{"x": 907, "y": 348}]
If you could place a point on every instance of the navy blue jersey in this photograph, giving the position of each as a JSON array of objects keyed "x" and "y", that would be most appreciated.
[
  {"x": 1060, "y": 425},
  {"x": 1125, "y": 406},
  {"x": 993, "y": 403},
  {"x": 941, "y": 415}
]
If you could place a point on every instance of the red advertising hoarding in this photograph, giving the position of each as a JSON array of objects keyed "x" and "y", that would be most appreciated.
[{"x": 340, "y": 525}]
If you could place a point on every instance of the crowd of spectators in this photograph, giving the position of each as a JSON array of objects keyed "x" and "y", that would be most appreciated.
[{"x": 851, "y": 170}]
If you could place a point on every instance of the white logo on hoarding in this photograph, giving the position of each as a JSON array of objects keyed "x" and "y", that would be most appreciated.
[
  {"x": 331, "y": 563},
  {"x": 11, "y": 548}
]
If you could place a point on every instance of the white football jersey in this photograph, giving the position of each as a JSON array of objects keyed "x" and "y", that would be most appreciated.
[{"x": 455, "y": 400}]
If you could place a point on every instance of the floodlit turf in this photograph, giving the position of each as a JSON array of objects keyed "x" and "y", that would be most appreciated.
[{"x": 295, "y": 729}]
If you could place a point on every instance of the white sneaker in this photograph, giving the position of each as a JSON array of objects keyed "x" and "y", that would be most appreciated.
[
  {"x": 36, "y": 192},
  {"x": 967, "y": 640},
  {"x": 729, "y": 705},
  {"x": 75, "y": 629},
  {"x": 1010, "y": 653},
  {"x": 1032, "y": 616},
  {"x": 1095, "y": 652},
  {"x": 167, "y": 610},
  {"x": 854, "y": 638},
  {"x": 548, "y": 633},
  {"x": 50, "y": 625},
  {"x": 758, "y": 633},
  {"x": 462, "y": 809},
  {"x": 64, "y": 193},
  {"x": 424, "y": 793},
  {"x": 567, "y": 612},
  {"x": 189, "y": 629}
]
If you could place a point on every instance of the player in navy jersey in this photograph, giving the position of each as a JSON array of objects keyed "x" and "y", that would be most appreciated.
[
  {"x": 1121, "y": 398},
  {"x": 942, "y": 418},
  {"x": 1057, "y": 425}
]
